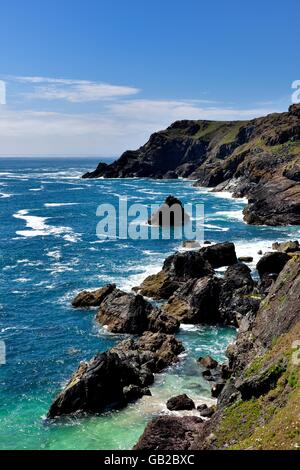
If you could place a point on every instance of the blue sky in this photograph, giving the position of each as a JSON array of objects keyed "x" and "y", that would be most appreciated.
[{"x": 97, "y": 77}]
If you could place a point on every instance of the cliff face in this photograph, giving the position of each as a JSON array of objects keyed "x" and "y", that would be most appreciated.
[{"x": 259, "y": 159}]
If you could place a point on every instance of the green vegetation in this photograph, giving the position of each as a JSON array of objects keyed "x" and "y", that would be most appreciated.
[{"x": 271, "y": 421}]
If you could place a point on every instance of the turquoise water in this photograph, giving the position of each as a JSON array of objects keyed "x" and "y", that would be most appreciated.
[{"x": 49, "y": 252}]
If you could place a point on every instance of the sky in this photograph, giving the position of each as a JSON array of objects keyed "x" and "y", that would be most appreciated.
[{"x": 97, "y": 77}]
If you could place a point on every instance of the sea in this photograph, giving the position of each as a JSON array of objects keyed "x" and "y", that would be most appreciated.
[{"x": 50, "y": 251}]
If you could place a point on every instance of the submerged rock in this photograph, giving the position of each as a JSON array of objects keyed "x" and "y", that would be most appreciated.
[
  {"x": 181, "y": 402},
  {"x": 113, "y": 378}
]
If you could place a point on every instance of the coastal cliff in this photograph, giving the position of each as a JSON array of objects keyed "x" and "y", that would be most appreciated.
[
  {"x": 259, "y": 406},
  {"x": 258, "y": 159}
]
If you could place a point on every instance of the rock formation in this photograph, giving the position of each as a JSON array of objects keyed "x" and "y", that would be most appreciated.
[{"x": 258, "y": 159}]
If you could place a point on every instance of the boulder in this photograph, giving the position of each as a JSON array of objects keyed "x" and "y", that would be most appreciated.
[
  {"x": 220, "y": 254},
  {"x": 272, "y": 263},
  {"x": 207, "y": 412},
  {"x": 287, "y": 247},
  {"x": 170, "y": 214},
  {"x": 113, "y": 378},
  {"x": 121, "y": 312},
  {"x": 181, "y": 402},
  {"x": 124, "y": 313},
  {"x": 170, "y": 433},
  {"x": 94, "y": 298}
]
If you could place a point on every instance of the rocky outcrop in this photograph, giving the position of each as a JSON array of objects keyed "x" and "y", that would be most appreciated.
[
  {"x": 257, "y": 159},
  {"x": 169, "y": 432},
  {"x": 170, "y": 214},
  {"x": 120, "y": 375},
  {"x": 182, "y": 267},
  {"x": 180, "y": 403},
  {"x": 121, "y": 312},
  {"x": 213, "y": 300},
  {"x": 94, "y": 298}
]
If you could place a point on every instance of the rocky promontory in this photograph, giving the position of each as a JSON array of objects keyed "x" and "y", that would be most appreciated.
[{"x": 258, "y": 159}]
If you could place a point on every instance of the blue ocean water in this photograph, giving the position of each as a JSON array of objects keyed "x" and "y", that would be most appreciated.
[{"x": 49, "y": 252}]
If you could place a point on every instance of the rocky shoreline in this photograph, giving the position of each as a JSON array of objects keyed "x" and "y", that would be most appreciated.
[
  {"x": 257, "y": 159},
  {"x": 263, "y": 310}
]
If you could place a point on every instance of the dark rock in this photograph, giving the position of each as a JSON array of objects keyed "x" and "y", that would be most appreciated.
[
  {"x": 217, "y": 388},
  {"x": 208, "y": 362},
  {"x": 124, "y": 313},
  {"x": 220, "y": 254},
  {"x": 170, "y": 175},
  {"x": 196, "y": 301},
  {"x": 92, "y": 298},
  {"x": 208, "y": 412},
  {"x": 181, "y": 402},
  {"x": 101, "y": 168},
  {"x": 272, "y": 263},
  {"x": 245, "y": 259},
  {"x": 170, "y": 433},
  {"x": 121, "y": 374},
  {"x": 132, "y": 393},
  {"x": 236, "y": 295},
  {"x": 202, "y": 407},
  {"x": 160, "y": 321},
  {"x": 177, "y": 269},
  {"x": 121, "y": 312},
  {"x": 170, "y": 214}
]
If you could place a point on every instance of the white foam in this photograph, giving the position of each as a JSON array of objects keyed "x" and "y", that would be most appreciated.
[
  {"x": 235, "y": 215},
  {"x": 37, "y": 189},
  {"x": 60, "y": 204},
  {"x": 136, "y": 279},
  {"x": 5, "y": 195},
  {"x": 39, "y": 228}
]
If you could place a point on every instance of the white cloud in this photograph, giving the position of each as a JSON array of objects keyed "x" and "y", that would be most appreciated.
[
  {"x": 74, "y": 91},
  {"x": 114, "y": 129},
  {"x": 118, "y": 124}
]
